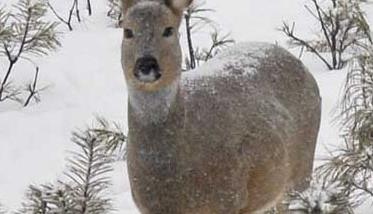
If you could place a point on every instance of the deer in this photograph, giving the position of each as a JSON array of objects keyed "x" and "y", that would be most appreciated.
[{"x": 231, "y": 137}]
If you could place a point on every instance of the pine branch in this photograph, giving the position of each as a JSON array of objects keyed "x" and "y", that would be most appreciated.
[
  {"x": 88, "y": 172},
  {"x": 30, "y": 35},
  {"x": 59, "y": 198},
  {"x": 49, "y": 199},
  {"x": 5, "y": 31},
  {"x": 112, "y": 136},
  {"x": 35, "y": 202},
  {"x": 85, "y": 191},
  {"x": 197, "y": 15},
  {"x": 351, "y": 166},
  {"x": 320, "y": 197},
  {"x": 351, "y": 170},
  {"x": 218, "y": 42}
]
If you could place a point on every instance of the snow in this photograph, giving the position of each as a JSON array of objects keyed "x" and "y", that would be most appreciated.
[
  {"x": 84, "y": 79},
  {"x": 245, "y": 55}
]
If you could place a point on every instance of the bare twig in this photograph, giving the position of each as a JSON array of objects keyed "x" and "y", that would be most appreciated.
[
  {"x": 70, "y": 15},
  {"x": 13, "y": 59},
  {"x": 192, "y": 59},
  {"x": 33, "y": 90},
  {"x": 29, "y": 34},
  {"x": 342, "y": 26},
  {"x": 89, "y": 7},
  {"x": 115, "y": 11},
  {"x": 217, "y": 42},
  {"x": 290, "y": 33},
  {"x": 192, "y": 19}
]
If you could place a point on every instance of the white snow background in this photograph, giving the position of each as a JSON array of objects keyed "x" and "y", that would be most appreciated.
[{"x": 84, "y": 79}]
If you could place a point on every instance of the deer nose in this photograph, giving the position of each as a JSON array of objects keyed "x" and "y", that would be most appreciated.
[{"x": 147, "y": 69}]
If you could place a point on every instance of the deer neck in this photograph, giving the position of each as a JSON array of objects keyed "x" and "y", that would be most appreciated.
[{"x": 152, "y": 108}]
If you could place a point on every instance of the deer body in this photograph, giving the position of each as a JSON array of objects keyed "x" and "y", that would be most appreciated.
[{"x": 229, "y": 138}]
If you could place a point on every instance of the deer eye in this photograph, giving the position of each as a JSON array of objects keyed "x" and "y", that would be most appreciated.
[
  {"x": 128, "y": 33},
  {"x": 168, "y": 32}
]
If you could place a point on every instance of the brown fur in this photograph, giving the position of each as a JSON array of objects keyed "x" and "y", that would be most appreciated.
[{"x": 227, "y": 143}]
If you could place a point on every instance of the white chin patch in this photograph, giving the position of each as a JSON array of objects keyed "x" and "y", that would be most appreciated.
[
  {"x": 151, "y": 77},
  {"x": 153, "y": 107}
]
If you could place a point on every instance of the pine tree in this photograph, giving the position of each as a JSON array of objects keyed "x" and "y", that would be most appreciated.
[
  {"x": 85, "y": 189},
  {"x": 35, "y": 202},
  {"x": 27, "y": 34}
]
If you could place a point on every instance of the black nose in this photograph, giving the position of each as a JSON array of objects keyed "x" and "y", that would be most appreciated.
[{"x": 147, "y": 68}]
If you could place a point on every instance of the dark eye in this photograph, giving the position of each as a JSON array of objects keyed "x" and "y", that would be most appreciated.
[
  {"x": 168, "y": 32},
  {"x": 128, "y": 33}
]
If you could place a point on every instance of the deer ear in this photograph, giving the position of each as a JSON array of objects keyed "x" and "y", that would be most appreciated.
[{"x": 178, "y": 5}]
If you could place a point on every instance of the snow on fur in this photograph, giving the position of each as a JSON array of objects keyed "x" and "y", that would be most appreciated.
[{"x": 85, "y": 79}]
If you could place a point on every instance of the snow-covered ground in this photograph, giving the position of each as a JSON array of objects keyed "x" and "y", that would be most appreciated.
[{"x": 84, "y": 79}]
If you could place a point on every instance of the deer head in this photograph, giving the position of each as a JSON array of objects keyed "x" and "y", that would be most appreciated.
[{"x": 151, "y": 54}]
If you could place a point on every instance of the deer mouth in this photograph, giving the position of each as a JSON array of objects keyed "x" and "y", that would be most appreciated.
[
  {"x": 150, "y": 77},
  {"x": 147, "y": 70}
]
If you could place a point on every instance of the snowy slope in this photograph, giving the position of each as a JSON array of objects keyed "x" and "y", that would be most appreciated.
[{"x": 84, "y": 79}]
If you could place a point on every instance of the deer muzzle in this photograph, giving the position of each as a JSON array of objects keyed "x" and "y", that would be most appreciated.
[{"x": 147, "y": 69}]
